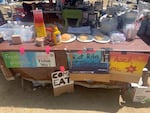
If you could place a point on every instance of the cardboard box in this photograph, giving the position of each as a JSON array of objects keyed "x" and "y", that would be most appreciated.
[
  {"x": 94, "y": 77},
  {"x": 141, "y": 93}
]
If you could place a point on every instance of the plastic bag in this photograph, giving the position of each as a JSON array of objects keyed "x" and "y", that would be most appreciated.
[
  {"x": 117, "y": 37},
  {"x": 130, "y": 32}
]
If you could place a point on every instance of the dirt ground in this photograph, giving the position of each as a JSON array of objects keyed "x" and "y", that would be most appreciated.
[{"x": 14, "y": 99}]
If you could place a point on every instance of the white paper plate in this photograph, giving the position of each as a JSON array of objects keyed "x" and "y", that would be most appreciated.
[
  {"x": 73, "y": 38},
  {"x": 105, "y": 40},
  {"x": 90, "y": 38}
]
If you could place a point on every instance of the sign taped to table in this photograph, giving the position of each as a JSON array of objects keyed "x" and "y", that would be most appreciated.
[
  {"x": 128, "y": 63},
  {"x": 29, "y": 59},
  {"x": 88, "y": 62}
]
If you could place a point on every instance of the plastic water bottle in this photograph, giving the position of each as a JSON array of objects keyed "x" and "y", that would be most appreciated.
[{"x": 9, "y": 24}]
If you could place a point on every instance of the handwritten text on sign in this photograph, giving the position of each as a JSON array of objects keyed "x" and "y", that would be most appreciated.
[
  {"x": 29, "y": 59},
  {"x": 60, "y": 79},
  {"x": 130, "y": 63},
  {"x": 87, "y": 62}
]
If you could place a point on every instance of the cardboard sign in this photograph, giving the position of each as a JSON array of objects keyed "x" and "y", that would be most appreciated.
[
  {"x": 87, "y": 62},
  {"x": 60, "y": 79},
  {"x": 128, "y": 63},
  {"x": 29, "y": 59}
]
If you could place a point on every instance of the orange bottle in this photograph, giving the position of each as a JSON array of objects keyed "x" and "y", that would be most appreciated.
[
  {"x": 39, "y": 23},
  {"x": 49, "y": 31}
]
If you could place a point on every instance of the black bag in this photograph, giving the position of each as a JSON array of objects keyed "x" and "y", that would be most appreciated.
[
  {"x": 144, "y": 31},
  {"x": 146, "y": 1},
  {"x": 2, "y": 20}
]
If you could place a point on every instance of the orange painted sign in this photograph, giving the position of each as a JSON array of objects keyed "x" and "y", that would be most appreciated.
[{"x": 128, "y": 63}]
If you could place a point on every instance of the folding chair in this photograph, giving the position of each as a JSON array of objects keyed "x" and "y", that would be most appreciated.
[{"x": 72, "y": 14}]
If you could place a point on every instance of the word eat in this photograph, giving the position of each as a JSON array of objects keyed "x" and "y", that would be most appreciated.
[{"x": 60, "y": 79}]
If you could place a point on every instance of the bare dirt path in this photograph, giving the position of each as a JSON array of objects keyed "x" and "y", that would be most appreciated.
[{"x": 13, "y": 99}]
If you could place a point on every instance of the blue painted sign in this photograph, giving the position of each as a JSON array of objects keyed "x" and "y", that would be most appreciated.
[{"x": 87, "y": 62}]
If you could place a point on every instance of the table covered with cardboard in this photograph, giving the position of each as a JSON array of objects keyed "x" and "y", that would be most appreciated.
[{"x": 126, "y": 61}]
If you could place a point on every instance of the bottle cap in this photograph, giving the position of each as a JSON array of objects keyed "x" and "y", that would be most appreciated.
[
  {"x": 49, "y": 29},
  {"x": 55, "y": 28},
  {"x": 9, "y": 22},
  {"x": 15, "y": 22},
  {"x": 17, "y": 19}
]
